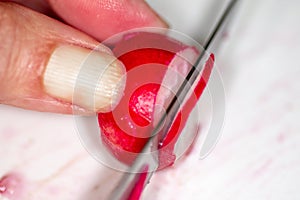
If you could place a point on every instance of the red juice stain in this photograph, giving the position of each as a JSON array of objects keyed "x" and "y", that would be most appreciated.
[{"x": 11, "y": 186}]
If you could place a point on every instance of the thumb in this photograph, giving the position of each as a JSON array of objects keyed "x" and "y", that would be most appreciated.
[{"x": 40, "y": 63}]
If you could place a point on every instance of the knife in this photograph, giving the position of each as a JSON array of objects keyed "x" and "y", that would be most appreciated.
[{"x": 139, "y": 174}]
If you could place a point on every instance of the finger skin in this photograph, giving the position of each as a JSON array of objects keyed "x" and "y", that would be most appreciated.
[
  {"x": 41, "y": 6},
  {"x": 27, "y": 40},
  {"x": 104, "y": 18}
]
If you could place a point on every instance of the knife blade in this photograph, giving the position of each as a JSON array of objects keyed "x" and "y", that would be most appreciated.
[{"x": 146, "y": 162}]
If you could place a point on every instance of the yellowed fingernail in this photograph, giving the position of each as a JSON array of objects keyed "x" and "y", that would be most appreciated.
[{"x": 92, "y": 80}]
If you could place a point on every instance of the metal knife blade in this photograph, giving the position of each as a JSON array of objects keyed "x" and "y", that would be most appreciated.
[{"x": 148, "y": 158}]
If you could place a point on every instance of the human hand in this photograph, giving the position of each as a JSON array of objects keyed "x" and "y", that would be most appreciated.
[{"x": 41, "y": 56}]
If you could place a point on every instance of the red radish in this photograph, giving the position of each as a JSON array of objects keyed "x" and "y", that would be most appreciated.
[
  {"x": 147, "y": 57},
  {"x": 166, "y": 155}
]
